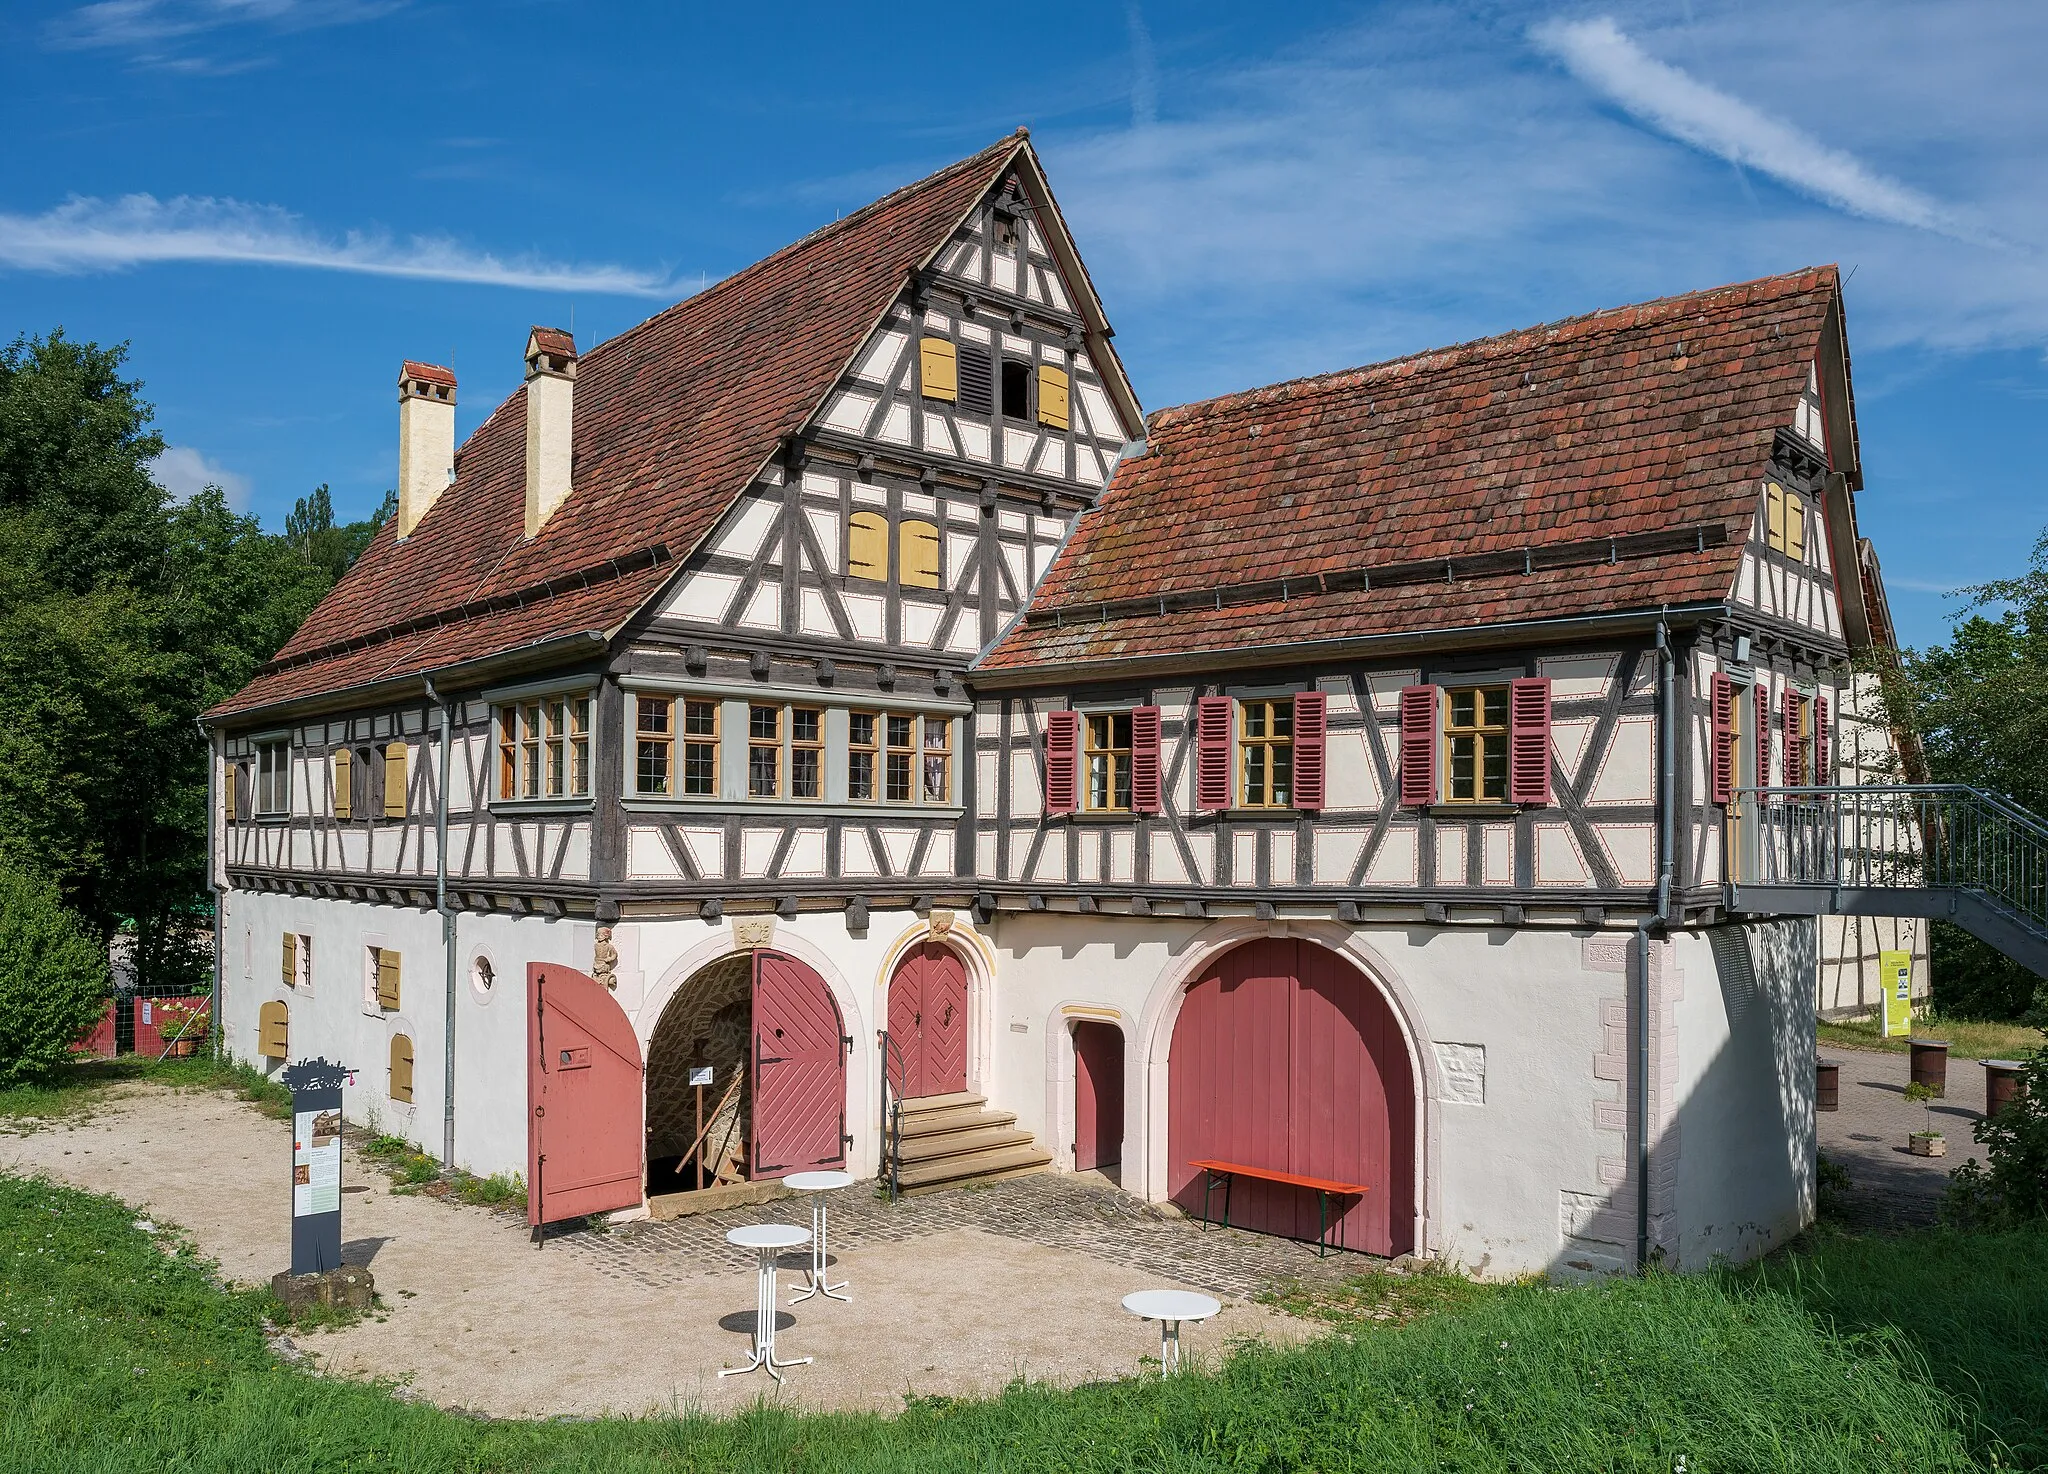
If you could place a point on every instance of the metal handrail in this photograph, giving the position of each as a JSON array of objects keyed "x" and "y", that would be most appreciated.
[
  {"x": 1925, "y": 836},
  {"x": 892, "y": 1111}
]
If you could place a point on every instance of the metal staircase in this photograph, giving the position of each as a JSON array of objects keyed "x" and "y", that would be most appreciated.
[{"x": 1935, "y": 850}]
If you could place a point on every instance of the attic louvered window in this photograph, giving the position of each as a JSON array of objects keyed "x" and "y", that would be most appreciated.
[{"x": 977, "y": 380}]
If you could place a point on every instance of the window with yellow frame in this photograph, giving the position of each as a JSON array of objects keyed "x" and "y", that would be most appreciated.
[
  {"x": 1107, "y": 752},
  {"x": 1265, "y": 753},
  {"x": 1476, "y": 745}
]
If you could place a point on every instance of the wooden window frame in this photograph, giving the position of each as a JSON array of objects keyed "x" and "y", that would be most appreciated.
[
  {"x": 386, "y": 999},
  {"x": 771, "y": 746},
  {"x": 545, "y": 740},
  {"x": 1486, "y": 736},
  {"x": 654, "y": 747},
  {"x": 871, "y": 749},
  {"x": 906, "y": 751},
  {"x": 272, "y": 771},
  {"x": 692, "y": 742},
  {"x": 1262, "y": 751},
  {"x": 941, "y": 755},
  {"x": 1028, "y": 413},
  {"x": 813, "y": 748},
  {"x": 1106, "y": 762}
]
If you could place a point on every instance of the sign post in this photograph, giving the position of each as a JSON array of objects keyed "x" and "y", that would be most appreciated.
[
  {"x": 317, "y": 1274},
  {"x": 1895, "y": 969}
]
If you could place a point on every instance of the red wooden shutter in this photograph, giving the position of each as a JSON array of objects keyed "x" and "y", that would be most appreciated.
[
  {"x": 1311, "y": 726},
  {"x": 1212, "y": 752},
  {"x": 1821, "y": 773},
  {"x": 1795, "y": 748},
  {"x": 1418, "y": 746},
  {"x": 1145, "y": 795},
  {"x": 1529, "y": 740},
  {"x": 1062, "y": 762},
  {"x": 1722, "y": 778},
  {"x": 1763, "y": 733}
]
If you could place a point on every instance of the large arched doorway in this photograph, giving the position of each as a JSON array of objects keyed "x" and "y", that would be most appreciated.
[
  {"x": 1285, "y": 1056},
  {"x": 763, "y": 1034},
  {"x": 928, "y": 1021}
]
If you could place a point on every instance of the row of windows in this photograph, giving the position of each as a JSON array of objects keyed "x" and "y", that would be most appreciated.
[
  {"x": 972, "y": 377},
  {"x": 369, "y": 782},
  {"x": 891, "y": 757},
  {"x": 381, "y": 968},
  {"x": 544, "y": 748}
]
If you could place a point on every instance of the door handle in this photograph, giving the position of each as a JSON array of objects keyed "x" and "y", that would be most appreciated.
[{"x": 772, "y": 1059}]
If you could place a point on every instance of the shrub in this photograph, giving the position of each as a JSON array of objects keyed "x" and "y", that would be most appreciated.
[
  {"x": 53, "y": 979},
  {"x": 2012, "y": 1189}
]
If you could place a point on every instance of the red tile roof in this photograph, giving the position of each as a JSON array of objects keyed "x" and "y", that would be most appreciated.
[
  {"x": 1476, "y": 485},
  {"x": 556, "y": 341},
  {"x": 433, "y": 373},
  {"x": 673, "y": 418}
]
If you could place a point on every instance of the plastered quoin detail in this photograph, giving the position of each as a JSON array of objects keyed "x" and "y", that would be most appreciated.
[
  {"x": 1606, "y": 1222},
  {"x": 1463, "y": 1068}
]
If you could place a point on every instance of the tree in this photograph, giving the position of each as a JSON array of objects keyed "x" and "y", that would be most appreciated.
[
  {"x": 310, "y": 529},
  {"x": 53, "y": 979}
]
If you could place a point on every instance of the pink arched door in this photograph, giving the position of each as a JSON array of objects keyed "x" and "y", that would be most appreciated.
[
  {"x": 800, "y": 1050},
  {"x": 928, "y": 1020},
  {"x": 1285, "y": 1056},
  {"x": 583, "y": 1097}
]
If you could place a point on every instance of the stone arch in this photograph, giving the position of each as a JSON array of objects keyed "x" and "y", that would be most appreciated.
[
  {"x": 705, "y": 1021},
  {"x": 975, "y": 953}
]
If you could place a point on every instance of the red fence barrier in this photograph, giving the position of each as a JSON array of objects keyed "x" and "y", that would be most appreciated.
[
  {"x": 159, "y": 1020},
  {"x": 98, "y": 1041}
]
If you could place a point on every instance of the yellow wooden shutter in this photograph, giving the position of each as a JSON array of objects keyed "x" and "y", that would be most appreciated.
[
  {"x": 939, "y": 368},
  {"x": 394, "y": 781},
  {"x": 1774, "y": 515},
  {"x": 344, "y": 772},
  {"x": 387, "y": 978},
  {"x": 917, "y": 548},
  {"x": 227, "y": 793},
  {"x": 273, "y": 1030},
  {"x": 291, "y": 960},
  {"x": 1052, "y": 396},
  {"x": 1795, "y": 526},
  {"x": 867, "y": 546},
  {"x": 401, "y": 1068}
]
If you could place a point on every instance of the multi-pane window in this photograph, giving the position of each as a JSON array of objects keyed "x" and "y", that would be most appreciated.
[
  {"x": 1265, "y": 753},
  {"x": 1476, "y": 744},
  {"x": 938, "y": 759},
  {"x": 806, "y": 752},
  {"x": 764, "y": 752},
  {"x": 653, "y": 744},
  {"x": 863, "y": 749},
  {"x": 1108, "y": 753},
  {"x": 544, "y": 748},
  {"x": 700, "y": 748},
  {"x": 273, "y": 778},
  {"x": 901, "y": 732}
]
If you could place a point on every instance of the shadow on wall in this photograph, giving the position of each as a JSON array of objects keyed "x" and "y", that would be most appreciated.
[{"x": 1733, "y": 1136}]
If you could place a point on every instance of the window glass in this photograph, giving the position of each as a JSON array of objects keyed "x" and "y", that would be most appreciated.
[
  {"x": 544, "y": 748},
  {"x": 938, "y": 759},
  {"x": 1476, "y": 744},
  {"x": 902, "y": 751},
  {"x": 700, "y": 748},
  {"x": 861, "y": 751},
  {"x": 1108, "y": 752},
  {"x": 764, "y": 752},
  {"x": 1265, "y": 753},
  {"x": 653, "y": 744},
  {"x": 273, "y": 778},
  {"x": 806, "y": 752}
]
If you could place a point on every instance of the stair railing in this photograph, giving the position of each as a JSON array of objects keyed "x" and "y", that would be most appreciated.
[
  {"x": 1898, "y": 836},
  {"x": 892, "y": 1112}
]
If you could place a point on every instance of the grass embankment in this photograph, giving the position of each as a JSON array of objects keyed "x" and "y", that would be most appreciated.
[
  {"x": 86, "y": 1080},
  {"x": 1967, "y": 1039},
  {"x": 118, "y": 1355}
]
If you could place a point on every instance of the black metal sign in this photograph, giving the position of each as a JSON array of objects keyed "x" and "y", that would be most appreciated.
[{"x": 316, "y": 1164}]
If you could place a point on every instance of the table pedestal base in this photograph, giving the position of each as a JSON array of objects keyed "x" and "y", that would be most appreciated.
[
  {"x": 764, "y": 1326},
  {"x": 818, "y": 1286}
]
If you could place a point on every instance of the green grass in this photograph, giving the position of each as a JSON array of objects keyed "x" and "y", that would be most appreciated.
[
  {"x": 75, "y": 1090},
  {"x": 412, "y": 1170},
  {"x": 1967, "y": 1039},
  {"x": 115, "y": 1355}
]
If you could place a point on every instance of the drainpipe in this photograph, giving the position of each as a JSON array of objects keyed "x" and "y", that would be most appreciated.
[
  {"x": 1661, "y": 921},
  {"x": 447, "y": 933},
  {"x": 214, "y": 797}
]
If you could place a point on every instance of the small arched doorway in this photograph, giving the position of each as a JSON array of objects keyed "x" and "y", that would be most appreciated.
[
  {"x": 763, "y": 1034},
  {"x": 1285, "y": 1056},
  {"x": 928, "y": 1021},
  {"x": 1098, "y": 1095}
]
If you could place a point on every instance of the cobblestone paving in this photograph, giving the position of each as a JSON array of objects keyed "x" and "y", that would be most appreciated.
[{"x": 1058, "y": 1210}]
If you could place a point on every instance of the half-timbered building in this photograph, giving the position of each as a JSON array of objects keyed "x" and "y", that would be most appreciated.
[{"x": 827, "y": 724}]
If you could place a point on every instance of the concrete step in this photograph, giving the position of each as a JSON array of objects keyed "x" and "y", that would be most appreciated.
[
  {"x": 959, "y": 1143},
  {"x": 925, "y": 1105},
  {"x": 949, "y": 1123},
  {"x": 983, "y": 1166}
]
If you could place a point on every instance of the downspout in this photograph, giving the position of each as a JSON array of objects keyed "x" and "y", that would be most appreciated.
[
  {"x": 447, "y": 932},
  {"x": 1661, "y": 921},
  {"x": 213, "y": 835}
]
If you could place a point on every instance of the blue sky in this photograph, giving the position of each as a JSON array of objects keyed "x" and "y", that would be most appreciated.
[{"x": 275, "y": 201}]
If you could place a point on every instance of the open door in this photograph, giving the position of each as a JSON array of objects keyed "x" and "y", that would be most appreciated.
[
  {"x": 583, "y": 1098},
  {"x": 800, "y": 1049}
]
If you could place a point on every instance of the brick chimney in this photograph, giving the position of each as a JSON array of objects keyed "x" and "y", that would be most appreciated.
[
  {"x": 426, "y": 439},
  {"x": 550, "y": 420}
]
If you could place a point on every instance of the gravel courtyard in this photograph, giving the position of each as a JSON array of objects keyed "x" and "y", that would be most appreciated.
[{"x": 953, "y": 1294}]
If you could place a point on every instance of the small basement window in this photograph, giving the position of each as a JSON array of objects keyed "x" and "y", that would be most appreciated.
[{"x": 1016, "y": 390}]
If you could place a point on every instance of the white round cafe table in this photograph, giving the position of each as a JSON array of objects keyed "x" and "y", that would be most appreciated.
[
  {"x": 1170, "y": 1308},
  {"x": 819, "y": 1183},
  {"x": 766, "y": 1240}
]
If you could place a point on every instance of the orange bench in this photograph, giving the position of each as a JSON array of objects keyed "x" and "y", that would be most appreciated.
[{"x": 1228, "y": 1172}]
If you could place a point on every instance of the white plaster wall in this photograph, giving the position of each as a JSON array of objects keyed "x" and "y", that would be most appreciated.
[{"x": 1743, "y": 1111}]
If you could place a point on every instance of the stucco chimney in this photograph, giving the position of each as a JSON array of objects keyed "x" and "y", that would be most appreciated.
[
  {"x": 550, "y": 420},
  {"x": 426, "y": 439}
]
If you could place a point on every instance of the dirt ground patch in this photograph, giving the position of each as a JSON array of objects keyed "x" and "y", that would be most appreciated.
[{"x": 476, "y": 1318}]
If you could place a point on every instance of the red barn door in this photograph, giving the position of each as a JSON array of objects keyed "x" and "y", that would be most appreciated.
[
  {"x": 1285, "y": 1056},
  {"x": 799, "y": 1070},
  {"x": 583, "y": 1097},
  {"x": 928, "y": 1020},
  {"x": 1098, "y": 1095}
]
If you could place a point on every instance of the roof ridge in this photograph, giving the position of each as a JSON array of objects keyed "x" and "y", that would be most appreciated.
[{"x": 1332, "y": 379}]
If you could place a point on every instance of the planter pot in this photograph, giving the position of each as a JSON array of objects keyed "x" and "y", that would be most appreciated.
[
  {"x": 183, "y": 1048},
  {"x": 1920, "y": 1144},
  {"x": 1827, "y": 1086}
]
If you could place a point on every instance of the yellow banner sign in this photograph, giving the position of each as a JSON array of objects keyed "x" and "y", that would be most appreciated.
[{"x": 1896, "y": 968}]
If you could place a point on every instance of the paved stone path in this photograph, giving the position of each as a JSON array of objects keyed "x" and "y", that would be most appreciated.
[{"x": 1891, "y": 1189}]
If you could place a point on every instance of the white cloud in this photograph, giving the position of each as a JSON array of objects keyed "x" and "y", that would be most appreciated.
[
  {"x": 185, "y": 472},
  {"x": 1669, "y": 100},
  {"x": 143, "y": 24},
  {"x": 87, "y": 234}
]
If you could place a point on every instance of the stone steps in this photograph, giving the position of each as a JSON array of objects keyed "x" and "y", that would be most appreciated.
[{"x": 950, "y": 1140}]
